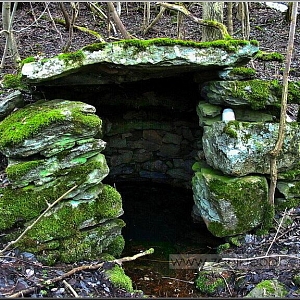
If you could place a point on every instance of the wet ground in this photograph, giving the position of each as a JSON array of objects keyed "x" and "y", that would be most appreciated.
[{"x": 159, "y": 216}]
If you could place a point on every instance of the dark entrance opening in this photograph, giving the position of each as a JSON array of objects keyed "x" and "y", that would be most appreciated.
[{"x": 158, "y": 216}]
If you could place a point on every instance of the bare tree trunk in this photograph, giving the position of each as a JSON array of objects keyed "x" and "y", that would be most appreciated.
[
  {"x": 65, "y": 14},
  {"x": 75, "y": 10},
  {"x": 212, "y": 11},
  {"x": 281, "y": 131},
  {"x": 146, "y": 20},
  {"x": 229, "y": 18},
  {"x": 118, "y": 21},
  {"x": 180, "y": 18},
  {"x": 10, "y": 44},
  {"x": 247, "y": 21},
  {"x": 157, "y": 18},
  {"x": 207, "y": 23}
]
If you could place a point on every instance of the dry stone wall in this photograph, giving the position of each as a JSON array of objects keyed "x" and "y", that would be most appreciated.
[{"x": 141, "y": 149}]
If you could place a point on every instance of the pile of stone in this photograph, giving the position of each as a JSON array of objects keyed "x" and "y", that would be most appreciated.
[
  {"x": 231, "y": 187},
  {"x": 54, "y": 147}
]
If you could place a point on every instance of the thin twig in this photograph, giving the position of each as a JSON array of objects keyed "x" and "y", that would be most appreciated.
[
  {"x": 172, "y": 278},
  {"x": 259, "y": 257},
  {"x": 227, "y": 286},
  {"x": 77, "y": 269},
  {"x": 53, "y": 23},
  {"x": 30, "y": 226},
  {"x": 281, "y": 221},
  {"x": 70, "y": 288}
]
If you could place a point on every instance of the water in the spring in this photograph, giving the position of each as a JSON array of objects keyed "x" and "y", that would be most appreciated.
[{"x": 159, "y": 216}]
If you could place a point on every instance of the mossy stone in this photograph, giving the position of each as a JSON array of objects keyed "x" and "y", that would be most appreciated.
[
  {"x": 119, "y": 279},
  {"x": 209, "y": 283},
  {"x": 31, "y": 129}
]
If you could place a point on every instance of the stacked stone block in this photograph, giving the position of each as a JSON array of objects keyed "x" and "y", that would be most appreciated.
[{"x": 52, "y": 147}]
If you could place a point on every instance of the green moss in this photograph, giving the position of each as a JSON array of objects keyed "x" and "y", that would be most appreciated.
[
  {"x": 287, "y": 204},
  {"x": 27, "y": 60},
  {"x": 116, "y": 247},
  {"x": 296, "y": 279},
  {"x": 243, "y": 71},
  {"x": 30, "y": 120},
  {"x": 230, "y": 129},
  {"x": 94, "y": 47},
  {"x": 119, "y": 279},
  {"x": 110, "y": 201},
  {"x": 271, "y": 289},
  {"x": 243, "y": 202},
  {"x": 230, "y": 45},
  {"x": 256, "y": 92},
  {"x": 223, "y": 247},
  {"x": 272, "y": 56},
  {"x": 235, "y": 240},
  {"x": 19, "y": 170},
  {"x": 11, "y": 81},
  {"x": 72, "y": 57},
  {"x": 293, "y": 174},
  {"x": 207, "y": 283},
  {"x": 24, "y": 204}
]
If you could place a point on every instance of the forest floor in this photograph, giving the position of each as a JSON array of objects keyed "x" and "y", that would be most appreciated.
[{"x": 37, "y": 35}]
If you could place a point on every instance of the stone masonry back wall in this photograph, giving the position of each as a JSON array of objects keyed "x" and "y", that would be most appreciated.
[{"x": 140, "y": 146}]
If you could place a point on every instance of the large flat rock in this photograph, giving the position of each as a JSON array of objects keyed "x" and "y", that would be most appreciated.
[{"x": 133, "y": 60}]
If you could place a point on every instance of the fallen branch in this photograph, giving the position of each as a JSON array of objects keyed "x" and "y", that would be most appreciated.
[
  {"x": 259, "y": 257},
  {"x": 77, "y": 269},
  {"x": 83, "y": 29},
  {"x": 30, "y": 226},
  {"x": 202, "y": 22}
]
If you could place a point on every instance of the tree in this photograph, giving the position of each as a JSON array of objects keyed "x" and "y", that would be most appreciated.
[
  {"x": 281, "y": 131},
  {"x": 7, "y": 21},
  {"x": 209, "y": 23},
  {"x": 212, "y": 11}
]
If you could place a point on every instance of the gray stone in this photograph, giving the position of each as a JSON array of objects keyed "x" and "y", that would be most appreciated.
[
  {"x": 142, "y": 144},
  {"x": 124, "y": 62},
  {"x": 122, "y": 158},
  {"x": 156, "y": 165},
  {"x": 168, "y": 150},
  {"x": 229, "y": 205},
  {"x": 241, "y": 148},
  {"x": 44, "y": 170},
  {"x": 225, "y": 93},
  {"x": 117, "y": 142},
  {"x": 268, "y": 289},
  {"x": 141, "y": 155},
  {"x": 9, "y": 102},
  {"x": 172, "y": 138},
  {"x": 208, "y": 113},
  {"x": 179, "y": 174},
  {"x": 152, "y": 175},
  {"x": 290, "y": 189},
  {"x": 152, "y": 136},
  {"x": 54, "y": 125}
]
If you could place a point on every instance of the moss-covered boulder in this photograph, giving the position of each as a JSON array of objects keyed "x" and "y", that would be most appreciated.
[
  {"x": 47, "y": 128},
  {"x": 268, "y": 289},
  {"x": 241, "y": 148},
  {"x": 209, "y": 283},
  {"x": 133, "y": 60},
  {"x": 229, "y": 205},
  {"x": 52, "y": 146},
  {"x": 256, "y": 94}
]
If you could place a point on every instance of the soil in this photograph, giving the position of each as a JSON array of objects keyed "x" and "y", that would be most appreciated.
[{"x": 37, "y": 35}]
